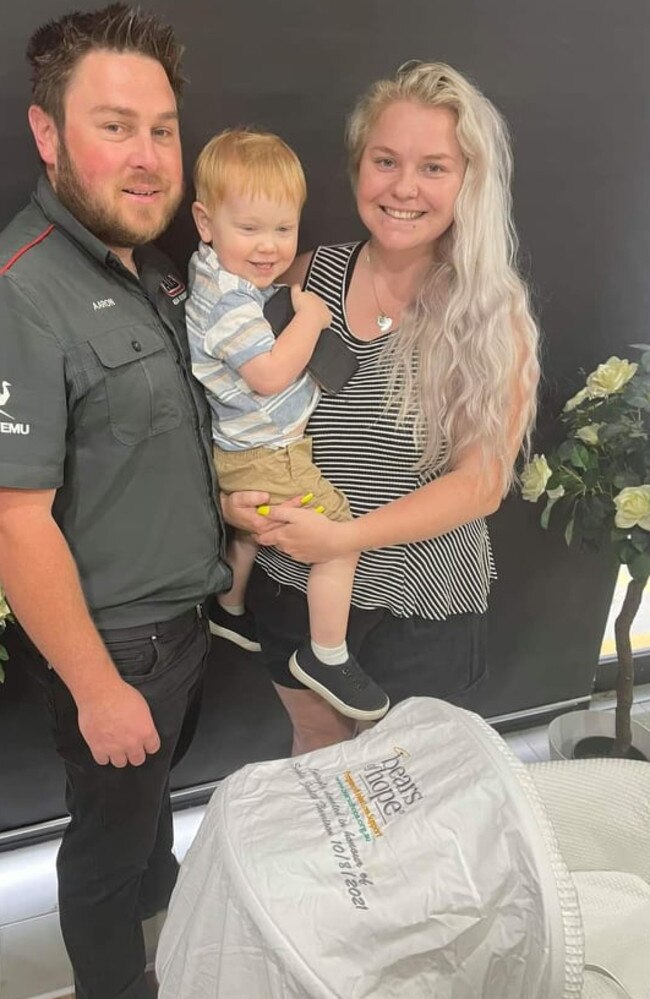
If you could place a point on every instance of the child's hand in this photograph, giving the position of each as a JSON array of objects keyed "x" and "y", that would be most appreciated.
[{"x": 312, "y": 305}]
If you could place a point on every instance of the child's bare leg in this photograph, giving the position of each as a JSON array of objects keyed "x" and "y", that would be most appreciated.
[
  {"x": 329, "y": 592},
  {"x": 229, "y": 618},
  {"x": 241, "y": 555}
]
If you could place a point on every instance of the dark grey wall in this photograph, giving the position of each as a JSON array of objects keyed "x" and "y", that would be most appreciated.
[
  {"x": 573, "y": 79},
  {"x": 571, "y": 76}
]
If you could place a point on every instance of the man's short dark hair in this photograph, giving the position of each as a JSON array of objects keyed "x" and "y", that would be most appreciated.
[{"x": 55, "y": 49}]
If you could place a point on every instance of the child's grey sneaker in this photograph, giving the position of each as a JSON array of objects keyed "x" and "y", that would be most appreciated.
[
  {"x": 239, "y": 629},
  {"x": 346, "y": 687}
]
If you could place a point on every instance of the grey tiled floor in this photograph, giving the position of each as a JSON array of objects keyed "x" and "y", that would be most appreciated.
[{"x": 529, "y": 744}]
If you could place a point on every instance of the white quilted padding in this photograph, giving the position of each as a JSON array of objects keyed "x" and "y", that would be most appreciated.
[
  {"x": 615, "y": 911},
  {"x": 599, "y": 986},
  {"x": 600, "y": 810}
]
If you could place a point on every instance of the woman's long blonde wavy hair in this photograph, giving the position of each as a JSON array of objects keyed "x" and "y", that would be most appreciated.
[{"x": 466, "y": 351}]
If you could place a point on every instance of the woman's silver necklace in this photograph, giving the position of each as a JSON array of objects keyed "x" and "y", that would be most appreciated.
[{"x": 383, "y": 321}]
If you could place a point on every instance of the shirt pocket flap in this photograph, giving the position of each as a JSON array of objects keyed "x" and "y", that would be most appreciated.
[{"x": 126, "y": 345}]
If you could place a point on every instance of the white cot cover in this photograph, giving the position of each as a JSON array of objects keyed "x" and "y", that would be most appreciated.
[{"x": 413, "y": 861}]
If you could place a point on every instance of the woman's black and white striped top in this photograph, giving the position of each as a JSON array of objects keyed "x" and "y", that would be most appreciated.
[{"x": 362, "y": 450}]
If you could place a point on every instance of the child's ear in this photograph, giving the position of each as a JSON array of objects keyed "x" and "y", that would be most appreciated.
[{"x": 202, "y": 221}]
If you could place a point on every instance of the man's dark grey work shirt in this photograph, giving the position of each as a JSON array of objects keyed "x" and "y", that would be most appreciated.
[{"x": 97, "y": 401}]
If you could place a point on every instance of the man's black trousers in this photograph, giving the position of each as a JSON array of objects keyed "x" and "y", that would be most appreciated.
[{"x": 115, "y": 865}]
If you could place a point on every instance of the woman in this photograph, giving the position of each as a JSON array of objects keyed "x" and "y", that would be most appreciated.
[{"x": 423, "y": 439}]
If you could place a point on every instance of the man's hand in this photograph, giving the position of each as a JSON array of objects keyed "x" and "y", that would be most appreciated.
[
  {"x": 117, "y": 725},
  {"x": 240, "y": 510}
]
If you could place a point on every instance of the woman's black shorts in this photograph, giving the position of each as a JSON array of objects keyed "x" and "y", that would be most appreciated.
[{"x": 407, "y": 657}]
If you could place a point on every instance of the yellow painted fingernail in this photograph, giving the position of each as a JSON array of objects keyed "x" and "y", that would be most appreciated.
[
  {"x": 264, "y": 511},
  {"x": 320, "y": 509},
  {"x": 307, "y": 498}
]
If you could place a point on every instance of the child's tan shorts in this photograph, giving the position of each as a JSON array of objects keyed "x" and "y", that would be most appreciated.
[{"x": 283, "y": 472}]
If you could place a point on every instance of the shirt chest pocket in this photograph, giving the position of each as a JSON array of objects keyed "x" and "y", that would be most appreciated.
[{"x": 142, "y": 383}]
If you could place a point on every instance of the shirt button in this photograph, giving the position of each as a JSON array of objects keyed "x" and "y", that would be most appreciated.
[{"x": 136, "y": 345}]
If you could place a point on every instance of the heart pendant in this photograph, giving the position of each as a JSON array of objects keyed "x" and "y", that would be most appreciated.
[{"x": 384, "y": 322}]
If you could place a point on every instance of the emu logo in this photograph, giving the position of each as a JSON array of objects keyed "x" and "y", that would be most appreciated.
[
  {"x": 4, "y": 398},
  {"x": 8, "y": 426},
  {"x": 103, "y": 303}
]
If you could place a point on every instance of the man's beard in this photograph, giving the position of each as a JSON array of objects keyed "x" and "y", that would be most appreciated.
[{"x": 100, "y": 217}]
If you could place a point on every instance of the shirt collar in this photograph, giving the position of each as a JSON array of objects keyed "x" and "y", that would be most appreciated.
[{"x": 46, "y": 199}]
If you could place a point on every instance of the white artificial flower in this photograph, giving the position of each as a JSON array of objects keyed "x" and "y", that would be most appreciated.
[
  {"x": 589, "y": 434},
  {"x": 633, "y": 507},
  {"x": 534, "y": 478},
  {"x": 610, "y": 377},
  {"x": 576, "y": 399},
  {"x": 5, "y": 609}
]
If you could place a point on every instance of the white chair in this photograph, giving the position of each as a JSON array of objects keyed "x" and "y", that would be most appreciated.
[{"x": 421, "y": 859}]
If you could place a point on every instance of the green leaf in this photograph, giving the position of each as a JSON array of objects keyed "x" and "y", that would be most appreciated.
[
  {"x": 627, "y": 553},
  {"x": 610, "y": 431},
  {"x": 589, "y": 457},
  {"x": 638, "y": 396},
  {"x": 567, "y": 478},
  {"x": 639, "y": 538},
  {"x": 602, "y": 506},
  {"x": 4, "y": 655},
  {"x": 2, "y": 674},
  {"x": 640, "y": 566},
  {"x": 568, "y": 531},
  {"x": 626, "y": 478},
  {"x": 576, "y": 457},
  {"x": 546, "y": 513},
  {"x": 564, "y": 450}
]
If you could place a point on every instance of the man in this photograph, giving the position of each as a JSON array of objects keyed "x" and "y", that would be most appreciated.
[{"x": 110, "y": 538}]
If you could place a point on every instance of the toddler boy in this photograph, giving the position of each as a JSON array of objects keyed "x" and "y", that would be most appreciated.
[{"x": 250, "y": 189}]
